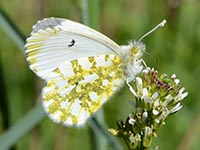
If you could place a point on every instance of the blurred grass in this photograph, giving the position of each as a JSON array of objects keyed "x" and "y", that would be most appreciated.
[
  {"x": 17, "y": 131},
  {"x": 173, "y": 49}
]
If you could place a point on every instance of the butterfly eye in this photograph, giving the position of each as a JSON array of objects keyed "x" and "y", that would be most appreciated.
[{"x": 134, "y": 50}]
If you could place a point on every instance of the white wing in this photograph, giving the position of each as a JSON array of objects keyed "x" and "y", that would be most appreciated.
[
  {"x": 54, "y": 41},
  {"x": 80, "y": 87}
]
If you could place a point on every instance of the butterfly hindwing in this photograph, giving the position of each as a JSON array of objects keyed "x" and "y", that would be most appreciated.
[{"x": 79, "y": 87}]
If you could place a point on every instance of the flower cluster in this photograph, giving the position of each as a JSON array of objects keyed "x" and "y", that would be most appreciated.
[{"x": 157, "y": 97}]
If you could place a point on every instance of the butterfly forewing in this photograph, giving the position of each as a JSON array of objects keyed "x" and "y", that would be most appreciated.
[
  {"x": 54, "y": 41},
  {"x": 80, "y": 87},
  {"x": 82, "y": 68}
]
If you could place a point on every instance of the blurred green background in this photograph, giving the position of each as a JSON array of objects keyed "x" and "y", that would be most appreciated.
[{"x": 172, "y": 49}]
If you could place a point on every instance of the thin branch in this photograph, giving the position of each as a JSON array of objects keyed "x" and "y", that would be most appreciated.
[{"x": 94, "y": 124}]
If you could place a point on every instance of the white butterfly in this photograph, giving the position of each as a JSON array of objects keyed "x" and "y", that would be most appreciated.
[{"x": 82, "y": 67}]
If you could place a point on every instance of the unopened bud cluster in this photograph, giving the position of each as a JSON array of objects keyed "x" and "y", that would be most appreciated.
[{"x": 157, "y": 97}]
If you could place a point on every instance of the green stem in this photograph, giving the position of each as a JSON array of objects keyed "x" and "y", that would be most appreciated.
[
  {"x": 11, "y": 30},
  {"x": 21, "y": 128},
  {"x": 93, "y": 123},
  {"x": 90, "y": 13}
]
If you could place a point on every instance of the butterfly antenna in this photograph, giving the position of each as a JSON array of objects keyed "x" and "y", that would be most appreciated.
[{"x": 152, "y": 30}]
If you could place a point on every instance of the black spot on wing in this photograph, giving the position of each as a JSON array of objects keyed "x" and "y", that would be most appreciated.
[{"x": 71, "y": 43}]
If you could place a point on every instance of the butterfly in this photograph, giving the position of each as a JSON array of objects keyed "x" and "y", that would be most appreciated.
[{"x": 82, "y": 68}]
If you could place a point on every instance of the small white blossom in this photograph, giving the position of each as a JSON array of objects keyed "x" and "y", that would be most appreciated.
[
  {"x": 147, "y": 139},
  {"x": 155, "y": 112},
  {"x": 177, "y": 81},
  {"x": 155, "y": 95},
  {"x": 176, "y": 108},
  {"x": 147, "y": 131},
  {"x": 180, "y": 96},
  {"x": 173, "y": 76},
  {"x": 156, "y": 103},
  {"x": 169, "y": 98},
  {"x": 132, "y": 139},
  {"x": 139, "y": 84},
  {"x": 145, "y": 115},
  {"x": 145, "y": 92},
  {"x": 131, "y": 121}
]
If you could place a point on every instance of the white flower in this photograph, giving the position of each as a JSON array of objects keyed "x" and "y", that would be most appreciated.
[
  {"x": 155, "y": 112},
  {"x": 131, "y": 121},
  {"x": 139, "y": 85},
  {"x": 155, "y": 95},
  {"x": 176, "y": 108},
  {"x": 145, "y": 115}
]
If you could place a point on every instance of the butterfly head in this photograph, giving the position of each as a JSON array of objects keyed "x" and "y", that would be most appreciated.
[
  {"x": 132, "y": 54},
  {"x": 133, "y": 51}
]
